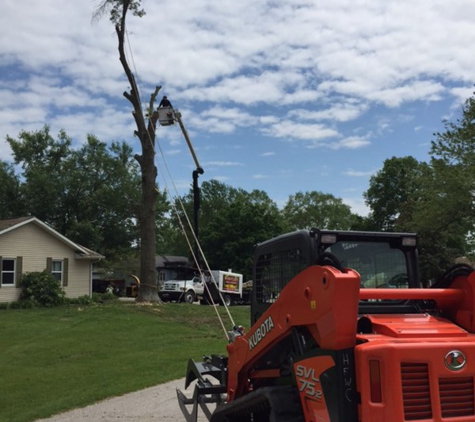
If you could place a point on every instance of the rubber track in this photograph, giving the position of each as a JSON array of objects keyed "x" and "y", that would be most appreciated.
[{"x": 267, "y": 404}]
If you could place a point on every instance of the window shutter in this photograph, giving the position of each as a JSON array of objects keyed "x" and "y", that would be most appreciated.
[
  {"x": 49, "y": 264},
  {"x": 18, "y": 271},
  {"x": 1, "y": 267},
  {"x": 65, "y": 271}
]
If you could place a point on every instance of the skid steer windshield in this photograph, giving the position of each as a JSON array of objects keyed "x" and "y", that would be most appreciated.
[{"x": 379, "y": 265}]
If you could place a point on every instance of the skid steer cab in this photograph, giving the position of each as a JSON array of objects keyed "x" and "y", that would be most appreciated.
[{"x": 342, "y": 331}]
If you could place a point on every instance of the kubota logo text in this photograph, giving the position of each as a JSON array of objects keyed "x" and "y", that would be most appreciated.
[{"x": 261, "y": 332}]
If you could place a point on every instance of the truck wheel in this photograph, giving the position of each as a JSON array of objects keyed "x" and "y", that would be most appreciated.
[
  {"x": 189, "y": 296},
  {"x": 228, "y": 300}
]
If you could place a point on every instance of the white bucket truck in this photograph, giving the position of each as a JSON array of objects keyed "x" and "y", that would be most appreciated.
[
  {"x": 191, "y": 288},
  {"x": 182, "y": 290}
]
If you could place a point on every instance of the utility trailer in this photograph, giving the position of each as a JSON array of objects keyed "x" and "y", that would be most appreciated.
[
  {"x": 225, "y": 288},
  {"x": 340, "y": 332}
]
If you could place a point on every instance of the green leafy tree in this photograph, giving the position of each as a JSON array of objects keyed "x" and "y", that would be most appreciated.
[
  {"x": 436, "y": 199},
  {"x": 103, "y": 188},
  {"x": 145, "y": 123},
  {"x": 305, "y": 210},
  {"x": 42, "y": 160},
  {"x": 445, "y": 215},
  {"x": 232, "y": 221},
  {"x": 453, "y": 160},
  {"x": 394, "y": 190},
  {"x": 89, "y": 194},
  {"x": 12, "y": 202},
  {"x": 410, "y": 196}
]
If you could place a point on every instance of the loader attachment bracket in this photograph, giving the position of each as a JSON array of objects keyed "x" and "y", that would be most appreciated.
[{"x": 206, "y": 392}]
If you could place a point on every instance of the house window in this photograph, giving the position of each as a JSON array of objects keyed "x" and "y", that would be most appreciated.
[
  {"x": 8, "y": 272},
  {"x": 57, "y": 270}
]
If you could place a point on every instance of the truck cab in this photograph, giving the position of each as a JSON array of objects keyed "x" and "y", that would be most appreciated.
[{"x": 187, "y": 286}]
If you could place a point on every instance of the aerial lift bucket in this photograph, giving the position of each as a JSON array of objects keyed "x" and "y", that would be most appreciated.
[{"x": 166, "y": 116}]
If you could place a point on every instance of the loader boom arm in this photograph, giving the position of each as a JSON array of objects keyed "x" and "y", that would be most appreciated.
[{"x": 322, "y": 299}]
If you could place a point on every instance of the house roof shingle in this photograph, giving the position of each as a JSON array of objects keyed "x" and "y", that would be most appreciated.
[
  {"x": 5, "y": 224},
  {"x": 14, "y": 223}
]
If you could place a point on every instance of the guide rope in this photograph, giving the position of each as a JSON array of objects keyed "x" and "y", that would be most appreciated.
[{"x": 175, "y": 209}]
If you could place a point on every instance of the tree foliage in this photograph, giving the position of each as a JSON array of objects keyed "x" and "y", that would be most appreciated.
[
  {"x": 434, "y": 199},
  {"x": 393, "y": 191},
  {"x": 88, "y": 194},
  {"x": 410, "y": 196},
  {"x": 11, "y": 199},
  {"x": 42, "y": 160},
  {"x": 453, "y": 160},
  {"x": 116, "y": 7},
  {"x": 232, "y": 221},
  {"x": 305, "y": 210},
  {"x": 449, "y": 209}
]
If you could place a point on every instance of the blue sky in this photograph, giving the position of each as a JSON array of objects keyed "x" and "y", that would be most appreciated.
[{"x": 282, "y": 96}]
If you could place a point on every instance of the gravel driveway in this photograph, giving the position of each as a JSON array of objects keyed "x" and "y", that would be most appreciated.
[{"x": 157, "y": 403}]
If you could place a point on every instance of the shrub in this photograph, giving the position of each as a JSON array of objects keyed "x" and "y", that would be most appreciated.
[
  {"x": 108, "y": 296},
  {"x": 101, "y": 297},
  {"x": 42, "y": 289},
  {"x": 96, "y": 297},
  {"x": 81, "y": 300}
]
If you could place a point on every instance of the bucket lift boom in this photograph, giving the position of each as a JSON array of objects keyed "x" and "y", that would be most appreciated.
[{"x": 166, "y": 117}]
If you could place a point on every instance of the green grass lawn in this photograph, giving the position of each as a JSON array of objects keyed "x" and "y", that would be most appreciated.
[{"x": 53, "y": 360}]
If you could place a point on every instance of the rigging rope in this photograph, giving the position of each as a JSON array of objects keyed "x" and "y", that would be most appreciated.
[
  {"x": 190, "y": 226},
  {"x": 137, "y": 82}
]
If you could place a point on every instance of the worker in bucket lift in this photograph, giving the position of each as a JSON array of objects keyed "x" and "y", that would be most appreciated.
[{"x": 165, "y": 102}]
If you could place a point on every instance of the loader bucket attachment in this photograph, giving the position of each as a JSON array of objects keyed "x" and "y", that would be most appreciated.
[
  {"x": 206, "y": 392},
  {"x": 273, "y": 404}
]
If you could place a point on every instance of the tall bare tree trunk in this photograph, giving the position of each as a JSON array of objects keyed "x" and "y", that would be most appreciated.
[{"x": 146, "y": 213}]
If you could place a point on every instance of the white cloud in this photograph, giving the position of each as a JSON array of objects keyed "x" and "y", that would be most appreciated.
[
  {"x": 292, "y": 130},
  {"x": 339, "y": 112},
  {"x": 358, "y": 173},
  {"x": 331, "y": 75},
  {"x": 351, "y": 142},
  {"x": 174, "y": 151},
  {"x": 357, "y": 205}
]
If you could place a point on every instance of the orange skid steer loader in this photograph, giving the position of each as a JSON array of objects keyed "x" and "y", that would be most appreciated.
[{"x": 341, "y": 331}]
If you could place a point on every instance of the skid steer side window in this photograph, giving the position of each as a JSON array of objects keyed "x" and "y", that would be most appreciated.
[
  {"x": 379, "y": 265},
  {"x": 274, "y": 270}
]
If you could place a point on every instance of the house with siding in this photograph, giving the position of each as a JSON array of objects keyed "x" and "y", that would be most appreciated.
[{"x": 27, "y": 245}]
